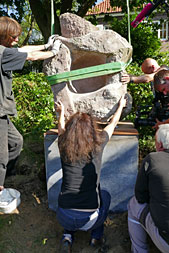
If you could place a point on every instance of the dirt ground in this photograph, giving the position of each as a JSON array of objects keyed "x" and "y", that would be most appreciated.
[{"x": 33, "y": 228}]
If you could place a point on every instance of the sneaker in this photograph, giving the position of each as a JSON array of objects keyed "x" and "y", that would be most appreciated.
[
  {"x": 100, "y": 244},
  {"x": 65, "y": 246},
  {"x": 97, "y": 242}
]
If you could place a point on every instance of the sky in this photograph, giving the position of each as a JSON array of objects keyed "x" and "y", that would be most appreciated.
[{"x": 98, "y": 1}]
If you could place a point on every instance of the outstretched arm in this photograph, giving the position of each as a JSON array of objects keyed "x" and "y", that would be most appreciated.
[
  {"x": 35, "y": 52},
  {"x": 160, "y": 123},
  {"x": 61, "y": 121},
  {"x": 142, "y": 79},
  {"x": 114, "y": 120},
  {"x": 126, "y": 78}
]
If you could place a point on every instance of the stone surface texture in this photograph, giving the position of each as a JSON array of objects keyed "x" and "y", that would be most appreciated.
[{"x": 84, "y": 45}]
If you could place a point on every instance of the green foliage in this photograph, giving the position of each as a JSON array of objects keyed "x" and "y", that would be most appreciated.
[
  {"x": 162, "y": 58},
  {"x": 146, "y": 143},
  {"x": 132, "y": 4},
  {"x": 35, "y": 104},
  {"x": 143, "y": 38},
  {"x": 136, "y": 5}
]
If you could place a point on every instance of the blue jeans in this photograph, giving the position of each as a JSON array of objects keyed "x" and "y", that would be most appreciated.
[
  {"x": 72, "y": 220},
  {"x": 11, "y": 143}
]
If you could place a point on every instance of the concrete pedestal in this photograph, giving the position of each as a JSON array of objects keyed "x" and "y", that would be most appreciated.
[{"x": 119, "y": 166}]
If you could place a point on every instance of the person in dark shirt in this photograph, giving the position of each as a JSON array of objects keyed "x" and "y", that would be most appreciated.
[
  {"x": 148, "y": 210},
  {"x": 12, "y": 59},
  {"x": 82, "y": 205},
  {"x": 161, "y": 85}
]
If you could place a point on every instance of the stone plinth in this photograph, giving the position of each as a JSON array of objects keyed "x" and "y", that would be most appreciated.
[{"x": 119, "y": 166}]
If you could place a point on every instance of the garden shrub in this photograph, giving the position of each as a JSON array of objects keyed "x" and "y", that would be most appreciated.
[
  {"x": 143, "y": 38},
  {"x": 34, "y": 100}
]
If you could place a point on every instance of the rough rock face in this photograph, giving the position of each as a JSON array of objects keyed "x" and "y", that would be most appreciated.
[
  {"x": 74, "y": 26},
  {"x": 84, "y": 45}
]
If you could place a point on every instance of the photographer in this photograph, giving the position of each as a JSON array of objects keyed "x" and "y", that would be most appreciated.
[
  {"x": 161, "y": 85},
  {"x": 159, "y": 111}
]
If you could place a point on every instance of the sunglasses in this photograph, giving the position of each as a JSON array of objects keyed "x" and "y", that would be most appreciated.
[{"x": 14, "y": 37}]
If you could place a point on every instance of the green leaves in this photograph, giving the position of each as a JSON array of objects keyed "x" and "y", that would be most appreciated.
[
  {"x": 35, "y": 103},
  {"x": 143, "y": 38}
]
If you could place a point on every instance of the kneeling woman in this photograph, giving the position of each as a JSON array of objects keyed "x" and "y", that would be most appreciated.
[{"x": 82, "y": 205}]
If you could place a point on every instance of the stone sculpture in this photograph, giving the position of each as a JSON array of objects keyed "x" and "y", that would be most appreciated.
[{"x": 84, "y": 45}]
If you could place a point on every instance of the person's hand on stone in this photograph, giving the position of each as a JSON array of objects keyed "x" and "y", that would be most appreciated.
[
  {"x": 51, "y": 41},
  {"x": 1, "y": 188},
  {"x": 56, "y": 47},
  {"x": 125, "y": 78},
  {"x": 59, "y": 107}
]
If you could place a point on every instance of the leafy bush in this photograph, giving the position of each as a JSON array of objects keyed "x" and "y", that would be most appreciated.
[
  {"x": 34, "y": 100},
  {"x": 143, "y": 38}
]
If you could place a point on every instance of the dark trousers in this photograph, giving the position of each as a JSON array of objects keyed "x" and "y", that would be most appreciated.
[{"x": 11, "y": 142}]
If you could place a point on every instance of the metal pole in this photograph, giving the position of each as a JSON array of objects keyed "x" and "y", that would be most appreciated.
[
  {"x": 52, "y": 17},
  {"x": 128, "y": 14}
]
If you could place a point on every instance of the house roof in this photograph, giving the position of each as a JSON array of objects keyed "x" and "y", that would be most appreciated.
[{"x": 103, "y": 7}]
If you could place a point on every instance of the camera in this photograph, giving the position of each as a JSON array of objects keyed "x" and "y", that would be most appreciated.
[{"x": 147, "y": 115}]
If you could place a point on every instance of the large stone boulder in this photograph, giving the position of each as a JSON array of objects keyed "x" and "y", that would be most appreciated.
[{"x": 84, "y": 45}]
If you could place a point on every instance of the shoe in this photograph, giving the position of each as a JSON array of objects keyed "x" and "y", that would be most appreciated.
[
  {"x": 100, "y": 244},
  {"x": 65, "y": 246},
  {"x": 97, "y": 242}
]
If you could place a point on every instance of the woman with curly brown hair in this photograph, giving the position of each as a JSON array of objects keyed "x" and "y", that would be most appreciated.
[{"x": 82, "y": 205}]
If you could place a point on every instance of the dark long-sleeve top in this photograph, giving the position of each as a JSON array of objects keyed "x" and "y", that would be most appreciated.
[{"x": 152, "y": 186}]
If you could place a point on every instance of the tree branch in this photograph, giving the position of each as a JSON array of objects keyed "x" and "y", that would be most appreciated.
[{"x": 29, "y": 32}]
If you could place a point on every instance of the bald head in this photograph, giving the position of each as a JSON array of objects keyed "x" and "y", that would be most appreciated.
[{"x": 149, "y": 66}]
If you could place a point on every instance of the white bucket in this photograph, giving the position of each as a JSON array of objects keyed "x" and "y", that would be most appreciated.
[{"x": 9, "y": 200}]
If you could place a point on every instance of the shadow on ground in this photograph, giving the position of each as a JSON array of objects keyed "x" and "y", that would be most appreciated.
[{"x": 33, "y": 228}]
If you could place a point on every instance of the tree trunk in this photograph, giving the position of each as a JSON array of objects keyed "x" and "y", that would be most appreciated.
[{"x": 42, "y": 13}]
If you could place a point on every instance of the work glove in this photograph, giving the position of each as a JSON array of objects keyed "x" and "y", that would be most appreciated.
[
  {"x": 56, "y": 47},
  {"x": 51, "y": 41}
]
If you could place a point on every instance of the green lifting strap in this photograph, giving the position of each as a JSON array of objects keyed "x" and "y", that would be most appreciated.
[{"x": 98, "y": 70}]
